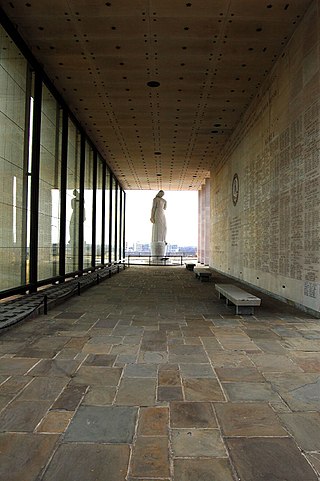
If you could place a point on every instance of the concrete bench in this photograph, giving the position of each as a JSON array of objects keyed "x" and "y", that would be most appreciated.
[
  {"x": 190, "y": 266},
  {"x": 202, "y": 273},
  {"x": 244, "y": 301}
]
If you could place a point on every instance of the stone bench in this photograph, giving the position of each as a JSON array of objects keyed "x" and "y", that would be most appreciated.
[
  {"x": 202, "y": 273},
  {"x": 190, "y": 266},
  {"x": 244, "y": 301}
]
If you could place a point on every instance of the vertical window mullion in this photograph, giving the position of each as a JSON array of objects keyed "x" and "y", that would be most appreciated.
[{"x": 35, "y": 170}]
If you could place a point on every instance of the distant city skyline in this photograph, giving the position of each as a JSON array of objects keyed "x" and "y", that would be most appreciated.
[{"x": 181, "y": 215}]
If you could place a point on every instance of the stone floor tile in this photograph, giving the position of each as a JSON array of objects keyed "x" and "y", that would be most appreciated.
[
  {"x": 242, "y": 374},
  {"x": 314, "y": 460},
  {"x": 305, "y": 428},
  {"x": 274, "y": 363},
  {"x": 141, "y": 370},
  {"x": 14, "y": 384},
  {"x": 102, "y": 424},
  {"x": 266, "y": 459},
  {"x": 54, "y": 367},
  {"x": 229, "y": 359},
  {"x": 100, "y": 396},
  {"x": 23, "y": 416},
  {"x": 43, "y": 388},
  {"x": 197, "y": 443},
  {"x": 192, "y": 415},
  {"x": 90, "y": 462},
  {"x": 95, "y": 348},
  {"x": 187, "y": 354},
  {"x": 307, "y": 361},
  {"x": 125, "y": 359},
  {"x": 153, "y": 345},
  {"x": 55, "y": 422},
  {"x": 202, "y": 390},
  {"x": 4, "y": 400},
  {"x": 211, "y": 344},
  {"x": 77, "y": 342},
  {"x": 29, "y": 352},
  {"x": 70, "y": 398},
  {"x": 260, "y": 333},
  {"x": 202, "y": 331},
  {"x": 169, "y": 378},
  {"x": 300, "y": 391},
  {"x": 170, "y": 393},
  {"x": 23, "y": 456},
  {"x": 98, "y": 376},
  {"x": 192, "y": 341},
  {"x": 271, "y": 346},
  {"x": 150, "y": 457},
  {"x": 136, "y": 392},
  {"x": 202, "y": 469},
  {"x": 153, "y": 421},
  {"x": 72, "y": 354},
  {"x": 168, "y": 367},
  {"x": 127, "y": 349},
  {"x": 248, "y": 419},
  {"x": 197, "y": 371},
  {"x": 16, "y": 366},
  {"x": 50, "y": 343},
  {"x": 106, "y": 360},
  {"x": 249, "y": 391},
  {"x": 302, "y": 344}
]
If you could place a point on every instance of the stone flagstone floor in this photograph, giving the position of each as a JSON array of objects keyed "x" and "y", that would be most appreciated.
[{"x": 149, "y": 376}]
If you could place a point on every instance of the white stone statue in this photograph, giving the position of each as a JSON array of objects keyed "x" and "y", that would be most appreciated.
[{"x": 159, "y": 227}]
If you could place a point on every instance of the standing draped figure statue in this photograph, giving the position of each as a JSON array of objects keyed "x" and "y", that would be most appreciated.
[{"x": 159, "y": 227}]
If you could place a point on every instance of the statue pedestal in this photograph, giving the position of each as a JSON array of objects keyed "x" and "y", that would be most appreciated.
[{"x": 158, "y": 249}]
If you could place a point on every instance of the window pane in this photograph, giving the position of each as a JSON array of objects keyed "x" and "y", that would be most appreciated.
[
  {"x": 107, "y": 220},
  {"x": 114, "y": 225},
  {"x": 13, "y": 72},
  {"x": 99, "y": 211},
  {"x": 73, "y": 199},
  {"x": 88, "y": 198},
  {"x": 49, "y": 187}
]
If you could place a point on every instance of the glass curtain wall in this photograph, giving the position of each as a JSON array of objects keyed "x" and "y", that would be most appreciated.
[
  {"x": 13, "y": 155},
  {"x": 88, "y": 203},
  {"x": 107, "y": 224},
  {"x": 40, "y": 139},
  {"x": 49, "y": 187},
  {"x": 73, "y": 199},
  {"x": 99, "y": 219}
]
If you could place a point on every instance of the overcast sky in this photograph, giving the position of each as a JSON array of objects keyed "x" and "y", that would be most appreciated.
[{"x": 181, "y": 215}]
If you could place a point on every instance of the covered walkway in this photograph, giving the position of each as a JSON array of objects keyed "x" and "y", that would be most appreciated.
[{"x": 149, "y": 376}]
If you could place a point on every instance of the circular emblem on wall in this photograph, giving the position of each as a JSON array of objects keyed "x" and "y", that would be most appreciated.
[{"x": 235, "y": 189}]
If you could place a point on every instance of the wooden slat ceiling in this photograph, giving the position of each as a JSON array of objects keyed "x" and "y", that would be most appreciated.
[{"x": 209, "y": 56}]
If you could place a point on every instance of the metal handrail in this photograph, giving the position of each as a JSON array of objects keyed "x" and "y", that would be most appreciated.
[{"x": 153, "y": 260}]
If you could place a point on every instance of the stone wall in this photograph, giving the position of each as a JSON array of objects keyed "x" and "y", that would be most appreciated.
[{"x": 265, "y": 193}]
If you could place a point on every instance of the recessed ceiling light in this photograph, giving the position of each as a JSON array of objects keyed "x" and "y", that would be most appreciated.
[{"x": 153, "y": 83}]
